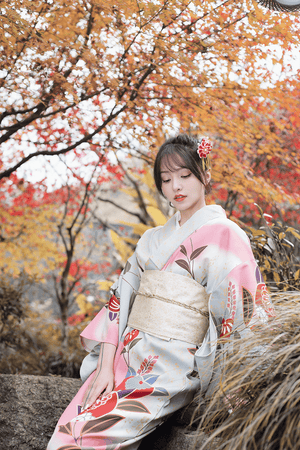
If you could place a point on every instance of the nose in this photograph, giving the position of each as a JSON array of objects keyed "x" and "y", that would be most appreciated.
[{"x": 176, "y": 183}]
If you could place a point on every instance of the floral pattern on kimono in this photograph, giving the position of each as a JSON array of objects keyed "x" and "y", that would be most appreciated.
[{"x": 153, "y": 376}]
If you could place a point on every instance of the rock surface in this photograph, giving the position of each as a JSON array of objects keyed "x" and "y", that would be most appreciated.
[{"x": 31, "y": 405}]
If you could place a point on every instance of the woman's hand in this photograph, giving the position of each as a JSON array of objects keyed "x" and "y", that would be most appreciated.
[{"x": 102, "y": 382}]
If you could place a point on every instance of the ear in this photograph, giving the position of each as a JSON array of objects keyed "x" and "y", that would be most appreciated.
[{"x": 207, "y": 176}]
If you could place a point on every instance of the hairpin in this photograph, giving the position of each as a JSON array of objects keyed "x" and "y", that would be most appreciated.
[{"x": 204, "y": 147}]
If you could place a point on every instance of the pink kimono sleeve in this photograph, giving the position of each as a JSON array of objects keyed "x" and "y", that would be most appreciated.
[
  {"x": 104, "y": 327},
  {"x": 245, "y": 299}
]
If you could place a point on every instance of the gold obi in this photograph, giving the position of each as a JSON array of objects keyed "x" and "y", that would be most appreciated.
[{"x": 168, "y": 305}]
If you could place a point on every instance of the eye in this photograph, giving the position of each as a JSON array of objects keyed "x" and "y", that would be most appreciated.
[
  {"x": 165, "y": 181},
  {"x": 186, "y": 176}
]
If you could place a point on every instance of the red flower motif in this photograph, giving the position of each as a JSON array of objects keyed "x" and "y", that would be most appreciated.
[
  {"x": 204, "y": 148},
  {"x": 227, "y": 326},
  {"x": 130, "y": 336},
  {"x": 262, "y": 299},
  {"x": 114, "y": 304},
  {"x": 103, "y": 405}
]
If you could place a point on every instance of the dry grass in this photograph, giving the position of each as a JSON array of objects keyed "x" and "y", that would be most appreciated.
[{"x": 260, "y": 388}]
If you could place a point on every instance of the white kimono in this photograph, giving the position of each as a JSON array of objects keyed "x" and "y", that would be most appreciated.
[{"x": 153, "y": 376}]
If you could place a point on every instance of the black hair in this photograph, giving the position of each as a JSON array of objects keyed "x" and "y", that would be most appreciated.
[{"x": 181, "y": 151}]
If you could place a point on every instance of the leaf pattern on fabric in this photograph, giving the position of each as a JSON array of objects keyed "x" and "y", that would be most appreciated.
[
  {"x": 192, "y": 351},
  {"x": 147, "y": 365},
  {"x": 150, "y": 378},
  {"x": 182, "y": 263},
  {"x": 183, "y": 250},
  {"x": 188, "y": 265},
  {"x": 160, "y": 391},
  {"x": 248, "y": 306},
  {"x": 66, "y": 429},
  {"x": 98, "y": 425},
  {"x": 197, "y": 252},
  {"x": 264, "y": 307},
  {"x": 227, "y": 324},
  {"x": 134, "y": 406},
  {"x": 134, "y": 342}
]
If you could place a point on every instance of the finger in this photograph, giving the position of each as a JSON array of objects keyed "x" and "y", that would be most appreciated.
[
  {"x": 108, "y": 389},
  {"x": 95, "y": 393}
]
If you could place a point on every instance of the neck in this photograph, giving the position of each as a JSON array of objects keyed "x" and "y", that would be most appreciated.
[{"x": 186, "y": 215}]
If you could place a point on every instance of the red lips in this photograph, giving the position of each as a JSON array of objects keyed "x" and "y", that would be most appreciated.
[{"x": 179, "y": 198}]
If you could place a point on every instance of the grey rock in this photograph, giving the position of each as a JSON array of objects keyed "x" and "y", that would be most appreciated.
[{"x": 31, "y": 405}]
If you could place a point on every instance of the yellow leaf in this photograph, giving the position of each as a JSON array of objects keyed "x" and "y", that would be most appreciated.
[
  {"x": 293, "y": 231},
  {"x": 104, "y": 285},
  {"x": 84, "y": 305},
  {"x": 138, "y": 228},
  {"x": 123, "y": 250},
  {"x": 156, "y": 215},
  {"x": 276, "y": 277}
]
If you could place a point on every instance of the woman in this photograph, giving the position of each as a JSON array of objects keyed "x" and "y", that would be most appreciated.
[{"x": 153, "y": 346}]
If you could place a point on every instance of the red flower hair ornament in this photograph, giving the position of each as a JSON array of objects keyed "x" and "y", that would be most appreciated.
[{"x": 204, "y": 147}]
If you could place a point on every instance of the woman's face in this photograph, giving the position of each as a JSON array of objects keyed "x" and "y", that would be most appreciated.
[{"x": 183, "y": 189}]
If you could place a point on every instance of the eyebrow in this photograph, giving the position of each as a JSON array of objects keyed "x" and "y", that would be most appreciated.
[{"x": 176, "y": 170}]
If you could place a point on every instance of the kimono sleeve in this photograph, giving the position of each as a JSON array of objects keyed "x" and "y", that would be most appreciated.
[
  {"x": 239, "y": 303},
  {"x": 104, "y": 328}
]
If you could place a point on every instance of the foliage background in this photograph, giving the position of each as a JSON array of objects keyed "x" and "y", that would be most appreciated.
[{"x": 88, "y": 92}]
